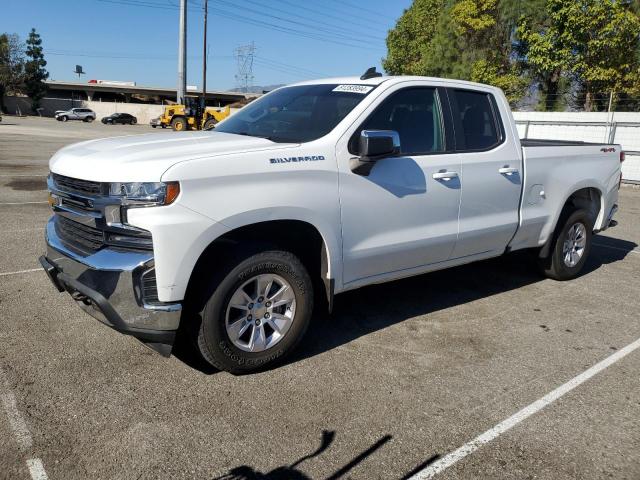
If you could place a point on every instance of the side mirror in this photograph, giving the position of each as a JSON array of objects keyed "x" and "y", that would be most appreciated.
[{"x": 375, "y": 145}]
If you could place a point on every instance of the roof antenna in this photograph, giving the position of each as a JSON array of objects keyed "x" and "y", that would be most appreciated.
[{"x": 370, "y": 73}]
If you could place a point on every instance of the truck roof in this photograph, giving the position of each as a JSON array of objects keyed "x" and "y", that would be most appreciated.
[{"x": 391, "y": 79}]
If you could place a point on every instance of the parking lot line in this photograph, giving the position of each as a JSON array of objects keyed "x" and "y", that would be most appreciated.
[
  {"x": 21, "y": 203},
  {"x": 36, "y": 469},
  {"x": 493, "y": 433},
  {"x": 18, "y": 425},
  {"x": 20, "y": 428},
  {"x": 4, "y": 274}
]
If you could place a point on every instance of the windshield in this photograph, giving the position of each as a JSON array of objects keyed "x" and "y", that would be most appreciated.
[{"x": 296, "y": 114}]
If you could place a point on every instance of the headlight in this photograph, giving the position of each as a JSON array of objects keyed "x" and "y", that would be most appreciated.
[{"x": 145, "y": 193}]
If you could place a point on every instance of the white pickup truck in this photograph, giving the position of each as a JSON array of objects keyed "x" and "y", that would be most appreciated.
[{"x": 312, "y": 190}]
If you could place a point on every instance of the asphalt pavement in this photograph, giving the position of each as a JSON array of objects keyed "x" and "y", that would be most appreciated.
[{"x": 395, "y": 380}]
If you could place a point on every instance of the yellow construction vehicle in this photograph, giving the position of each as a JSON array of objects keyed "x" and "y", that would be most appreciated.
[{"x": 180, "y": 118}]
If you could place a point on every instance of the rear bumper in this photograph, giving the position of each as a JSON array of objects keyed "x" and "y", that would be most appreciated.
[{"x": 108, "y": 286}]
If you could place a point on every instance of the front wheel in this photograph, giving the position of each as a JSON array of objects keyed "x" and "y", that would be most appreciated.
[
  {"x": 89, "y": 119},
  {"x": 179, "y": 124},
  {"x": 257, "y": 314},
  {"x": 571, "y": 246},
  {"x": 63, "y": 119}
]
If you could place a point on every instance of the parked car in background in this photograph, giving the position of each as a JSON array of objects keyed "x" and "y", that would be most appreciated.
[
  {"x": 84, "y": 114},
  {"x": 122, "y": 118},
  {"x": 157, "y": 122}
]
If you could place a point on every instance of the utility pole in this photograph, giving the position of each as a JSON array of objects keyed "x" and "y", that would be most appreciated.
[
  {"x": 204, "y": 58},
  {"x": 182, "y": 55}
]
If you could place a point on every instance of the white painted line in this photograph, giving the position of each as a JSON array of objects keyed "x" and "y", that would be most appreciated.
[
  {"x": 4, "y": 274},
  {"x": 22, "y": 174},
  {"x": 450, "y": 459},
  {"x": 18, "y": 425},
  {"x": 21, "y": 203},
  {"x": 20, "y": 429},
  {"x": 36, "y": 469},
  {"x": 615, "y": 248}
]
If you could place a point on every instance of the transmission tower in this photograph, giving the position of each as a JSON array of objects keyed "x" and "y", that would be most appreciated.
[{"x": 244, "y": 57}]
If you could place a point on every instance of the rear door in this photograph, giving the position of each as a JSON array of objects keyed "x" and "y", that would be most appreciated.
[{"x": 491, "y": 172}]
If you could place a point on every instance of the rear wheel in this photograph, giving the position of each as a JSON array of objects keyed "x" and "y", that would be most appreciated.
[
  {"x": 179, "y": 124},
  {"x": 134, "y": 121},
  {"x": 571, "y": 246},
  {"x": 88, "y": 119},
  {"x": 257, "y": 313}
]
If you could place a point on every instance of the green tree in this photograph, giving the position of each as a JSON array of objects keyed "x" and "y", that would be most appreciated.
[
  {"x": 34, "y": 71},
  {"x": 406, "y": 43},
  {"x": 11, "y": 65},
  {"x": 466, "y": 39},
  {"x": 594, "y": 42}
]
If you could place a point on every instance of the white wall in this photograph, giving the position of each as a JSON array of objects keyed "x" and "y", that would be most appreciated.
[{"x": 626, "y": 135}]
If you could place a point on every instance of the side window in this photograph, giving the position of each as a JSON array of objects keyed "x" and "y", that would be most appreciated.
[
  {"x": 475, "y": 120},
  {"x": 415, "y": 114}
]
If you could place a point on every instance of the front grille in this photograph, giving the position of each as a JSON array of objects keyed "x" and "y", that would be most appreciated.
[
  {"x": 75, "y": 185},
  {"x": 149, "y": 287},
  {"x": 82, "y": 237}
]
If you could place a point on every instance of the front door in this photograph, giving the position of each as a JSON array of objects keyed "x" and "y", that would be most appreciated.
[{"x": 404, "y": 214}]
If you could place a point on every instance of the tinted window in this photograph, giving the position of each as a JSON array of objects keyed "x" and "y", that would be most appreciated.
[
  {"x": 415, "y": 114},
  {"x": 295, "y": 114},
  {"x": 475, "y": 120}
]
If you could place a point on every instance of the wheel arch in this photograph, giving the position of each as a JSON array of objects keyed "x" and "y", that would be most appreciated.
[
  {"x": 586, "y": 195},
  {"x": 317, "y": 249}
]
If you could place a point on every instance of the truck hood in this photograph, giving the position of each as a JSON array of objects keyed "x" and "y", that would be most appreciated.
[{"x": 144, "y": 158}]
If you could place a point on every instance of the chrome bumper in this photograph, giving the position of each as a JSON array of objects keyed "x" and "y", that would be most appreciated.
[{"x": 108, "y": 286}]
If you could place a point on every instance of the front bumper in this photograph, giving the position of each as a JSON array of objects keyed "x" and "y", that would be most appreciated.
[{"x": 108, "y": 286}]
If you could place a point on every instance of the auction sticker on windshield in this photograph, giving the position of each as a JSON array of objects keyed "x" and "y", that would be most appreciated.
[{"x": 363, "y": 89}]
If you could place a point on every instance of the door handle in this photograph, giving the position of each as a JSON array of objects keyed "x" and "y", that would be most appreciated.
[
  {"x": 446, "y": 176},
  {"x": 507, "y": 170}
]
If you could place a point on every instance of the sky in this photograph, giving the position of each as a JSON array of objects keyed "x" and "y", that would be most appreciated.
[{"x": 137, "y": 40}]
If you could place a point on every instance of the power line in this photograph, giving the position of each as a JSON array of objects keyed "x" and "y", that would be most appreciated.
[
  {"x": 315, "y": 21},
  {"x": 251, "y": 21},
  {"x": 267, "y": 62},
  {"x": 359, "y": 8},
  {"x": 336, "y": 34},
  {"x": 350, "y": 20}
]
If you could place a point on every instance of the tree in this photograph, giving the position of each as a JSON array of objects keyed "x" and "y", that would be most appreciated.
[
  {"x": 11, "y": 65},
  {"x": 35, "y": 73},
  {"x": 412, "y": 34},
  {"x": 594, "y": 42},
  {"x": 466, "y": 39}
]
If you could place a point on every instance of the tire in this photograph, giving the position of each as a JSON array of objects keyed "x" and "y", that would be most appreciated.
[
  {"x": 265, "y": 335},
  {"x": 153, "y": 126},
  {"x": 133, "y": 121},
  {"x": 210, "y": 124},
  {"x": 575, "y": 229},
  {"x": 63, "y": 118},
  {"x": 89, "y": 119},
  {"x": 179, "y": 124}
]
